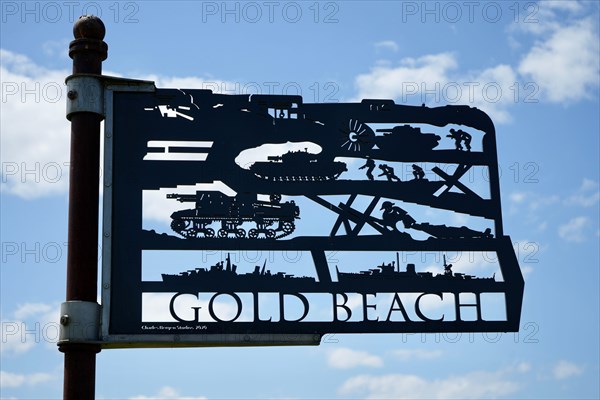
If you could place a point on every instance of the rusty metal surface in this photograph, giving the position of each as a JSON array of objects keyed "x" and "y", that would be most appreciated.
[{"x": 87, "y": 51}]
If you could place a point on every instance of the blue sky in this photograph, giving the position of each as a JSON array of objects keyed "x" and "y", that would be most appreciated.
[{"x": 539, "y": 63}]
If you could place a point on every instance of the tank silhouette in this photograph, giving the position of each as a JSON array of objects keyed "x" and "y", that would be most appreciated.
[
  {"x": 405, "y": 139},
  {"x": 273, "y": 219},
  {"x": 298, "y": 165}
]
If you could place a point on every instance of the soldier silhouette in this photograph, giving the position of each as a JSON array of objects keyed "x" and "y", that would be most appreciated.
[
  {"x": 392, "y": 214},
  {"x": 418, "y": 172},
  {"x": 460, "y": 137},
  {"x": 457, "y": 139},
  {"x": 388, "y": 172},
  {"x": 466, "y": 138},
  {"x": 370, "y": 166}
]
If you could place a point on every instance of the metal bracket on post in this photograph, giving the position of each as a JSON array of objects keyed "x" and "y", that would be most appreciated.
[
  {"x": 85, "y": 93},
  {"x": 79, "y": 322}
]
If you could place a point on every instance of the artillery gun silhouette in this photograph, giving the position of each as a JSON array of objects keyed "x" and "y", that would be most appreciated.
[{"x": 273, "y": 219}]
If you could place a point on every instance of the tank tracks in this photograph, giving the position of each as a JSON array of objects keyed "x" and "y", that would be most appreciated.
[
  {"x": 185, "y": 227},
  {"x": 299, "y": 178}
]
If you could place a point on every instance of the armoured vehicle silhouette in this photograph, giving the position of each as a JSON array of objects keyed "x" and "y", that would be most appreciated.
[
  {"x": 298, "y": 166},
  {"x": 273, "y": 219},
  {"x": 405, "y": 139}
]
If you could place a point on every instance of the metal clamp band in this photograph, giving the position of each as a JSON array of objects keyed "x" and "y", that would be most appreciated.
[
  {"x": 79, "y": 322},
  {"x": 85, "y": 93}
]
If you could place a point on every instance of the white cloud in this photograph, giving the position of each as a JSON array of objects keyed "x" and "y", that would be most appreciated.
[
  {"x": 35, "y": 132},
  {"x": 387, "y": 45},
  {"x": 166, "y": 393},
  {"x": 539, "y": 200},
  {"x": 418, "y": 354},
  {"x": 547, "y": 16},
  {"x": 10, "y": 380},
  {"x": 345, "y": 358},
  {"x": 565, "y": 66},
  {"x": 56, "y": 48},
  {"x": 495, "y": 93},
  {"x": 574, "y": 230},
  {"x": 473, "y": 385},
  {"x": 13, "y": 341},
  {"x": 31, "y": 323},
  {"x": 523, "y": 367},
  {"x": 392, "y": 82},
  {"x": 527, "y": 271},
  {"x": 517, "y": 197},
  {"x": 30, "y": 309},
  {"x": 35, "y": 139},
  {"x": 565, "y": 369},
  {"x": 587, "y": 195},
  {"x": 572, "y": 6},
  {"x": 431, "y": 78},
  {"x": 531, "y": 201}
]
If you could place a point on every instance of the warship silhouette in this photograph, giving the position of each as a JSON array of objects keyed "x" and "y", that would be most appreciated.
[
  {"x": 387, "y": 276},
  {"x": 225, "y": 273},
  {"x": 390, "y": 272}
]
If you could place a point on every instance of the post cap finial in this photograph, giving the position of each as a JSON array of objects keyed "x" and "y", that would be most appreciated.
[{"x": 89, "y": 27}]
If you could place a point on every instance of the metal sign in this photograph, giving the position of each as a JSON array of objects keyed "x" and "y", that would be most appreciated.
[{"x": 261, "y": 219}]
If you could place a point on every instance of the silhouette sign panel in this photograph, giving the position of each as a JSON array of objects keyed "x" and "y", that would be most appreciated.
[{"x": 252, "y": 214}]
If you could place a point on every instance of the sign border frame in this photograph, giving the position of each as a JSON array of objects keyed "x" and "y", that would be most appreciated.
[{"x": 168, "y": 340}]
